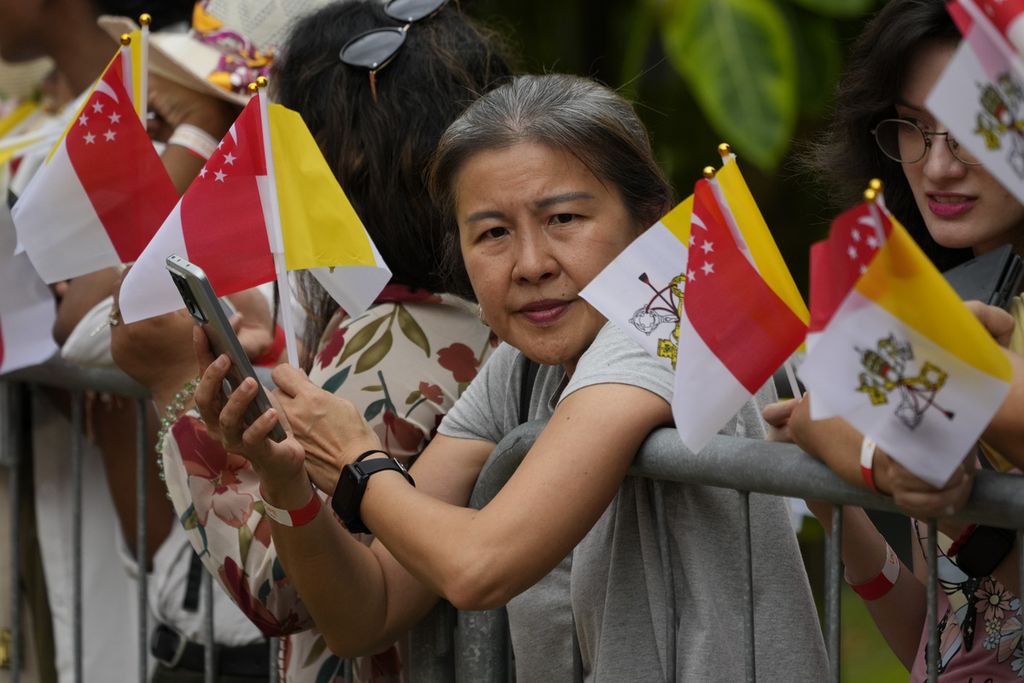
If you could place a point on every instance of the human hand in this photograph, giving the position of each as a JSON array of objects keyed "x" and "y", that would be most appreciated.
[
  {"x": 253, "y": 323},
  {"x": 998, "y": 322},
  {"x": 917, "y": 497},
  {"x": 277, "y": 464},
  {"x": 175, "y": 104},
  {"x": 777, "y": 415},
  {"x": 331, "y": 430}
]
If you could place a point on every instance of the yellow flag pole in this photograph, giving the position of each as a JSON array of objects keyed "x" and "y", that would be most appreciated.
[{"x": 144, "y": 21}]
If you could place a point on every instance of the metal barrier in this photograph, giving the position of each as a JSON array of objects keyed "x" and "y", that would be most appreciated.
[{"x": 474, "y": 646}]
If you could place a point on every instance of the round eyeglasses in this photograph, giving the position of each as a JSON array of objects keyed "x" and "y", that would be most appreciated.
[
  {"x": 374, "y": 49},
  {"x": 906, "y": 142}
]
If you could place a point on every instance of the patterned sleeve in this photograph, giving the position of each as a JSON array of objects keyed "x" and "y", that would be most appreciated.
[{"x": 403, "y": 364}]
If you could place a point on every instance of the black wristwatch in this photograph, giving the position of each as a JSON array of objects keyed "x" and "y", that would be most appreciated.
[
  {"x": 348, "y": 494},
  {"x": 983, "y": 550}
]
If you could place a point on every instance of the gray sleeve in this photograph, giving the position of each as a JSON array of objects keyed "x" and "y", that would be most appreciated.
[
  {"x": 614, "y": 358},
  {"x": 482, "y": 411}
]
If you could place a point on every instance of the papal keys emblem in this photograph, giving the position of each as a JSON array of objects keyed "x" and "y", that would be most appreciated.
[
  {"x": 664, "y": 306},
  {"x": 887, "y": 369}
]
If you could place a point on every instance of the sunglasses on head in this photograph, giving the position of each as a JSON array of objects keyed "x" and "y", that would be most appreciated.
[{"x": 374, "y": 49}]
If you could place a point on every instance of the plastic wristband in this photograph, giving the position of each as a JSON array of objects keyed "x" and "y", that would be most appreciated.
[
  {"x": 298, "y": 517},
  {"x": 883, "y": 583},
  {"x": 867, "y": 459},
  {"x": 194, "y": 139}
]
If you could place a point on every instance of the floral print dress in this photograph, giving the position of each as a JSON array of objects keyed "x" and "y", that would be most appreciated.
[{"x": 404, "y": 363}]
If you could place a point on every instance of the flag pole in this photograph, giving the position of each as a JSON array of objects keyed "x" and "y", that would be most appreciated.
[
  {"x": 144, "y": 21},
  {"x": 275, "y": 235},
  {"x": 873, "y": 197}
]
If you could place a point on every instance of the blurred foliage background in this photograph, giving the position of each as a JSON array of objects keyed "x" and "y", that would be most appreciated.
[{"x": 758, "y": 74}]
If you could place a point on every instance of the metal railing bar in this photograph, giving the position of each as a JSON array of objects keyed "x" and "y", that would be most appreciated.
[
  {"x": 834, "y": 593},
  {"x": 77, "y": 437},
  {"x": 210, "y": 650},
  {"x": 275, "y": 654},
  {"x": 11, "y": 430},
  {"x": 932, "y": 592},
  {"x": 747, "y": 561},
  {"x": 141, "y": 532}
]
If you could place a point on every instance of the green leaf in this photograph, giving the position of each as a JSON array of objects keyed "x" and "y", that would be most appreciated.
[
  {"x": 336, "y": 380},
  {"x": 838, "y": 9},
  {"x": 412, "y": 397},
  {"x": 819, "y": 58},
  {"x": 373, "y": 387},
  {"x": 359, "y": 340},
  {"x": 375, "y": 353},
  {"x": 319, "y": 645},
  {"x": 739, "y": 60},
  {"x": 373, "y": 410},
  {"x": 412, "y": 330},
  {"x": 244, "y": 542}
]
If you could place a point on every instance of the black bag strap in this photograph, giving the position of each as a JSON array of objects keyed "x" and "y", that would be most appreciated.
[
  {"x": 526, "y": 389},
  {"x": 195, "y": 575}
]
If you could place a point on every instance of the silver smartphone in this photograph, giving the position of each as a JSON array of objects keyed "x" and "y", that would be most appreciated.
[{"x": 209, "y": 314}]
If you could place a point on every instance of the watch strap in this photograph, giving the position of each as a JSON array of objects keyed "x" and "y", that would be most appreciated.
[{"x": 297, "y": 517}]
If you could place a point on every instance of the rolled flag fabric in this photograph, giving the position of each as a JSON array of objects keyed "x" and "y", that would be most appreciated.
[
  {"x": 980, "y": 98},
  {"x": 641, "y": 290},
  {"x": 226, "y": 221},
  {"x": 836, "y": 264},
  {"x": 904, "y": 361},
  {"x": 27, "y": 308},
  {"x": 102, "y": 192},
  {"x": 736, "y": 329}
]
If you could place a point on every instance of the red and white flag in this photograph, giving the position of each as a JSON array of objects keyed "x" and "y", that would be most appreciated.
[
  {"x": 736, "y": 330},
  {"x": 103, "y": 191}
]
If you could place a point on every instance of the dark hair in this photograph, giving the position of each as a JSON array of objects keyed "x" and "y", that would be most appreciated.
[
  {"x": 848, "y": 155},
  {"x": 570, "y": 113},
  {"x": 164, "y": 12},
  {"x": 379, "y": 148}
]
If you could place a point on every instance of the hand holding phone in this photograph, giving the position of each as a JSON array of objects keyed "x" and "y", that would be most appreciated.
[{"x": 209, "y": 314}]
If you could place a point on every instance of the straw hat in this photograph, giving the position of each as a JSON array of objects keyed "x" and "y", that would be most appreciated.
[{"x": 231, "y": 42}]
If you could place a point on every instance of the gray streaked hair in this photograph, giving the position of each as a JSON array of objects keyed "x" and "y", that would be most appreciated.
[{"x": 570, "y": 113}]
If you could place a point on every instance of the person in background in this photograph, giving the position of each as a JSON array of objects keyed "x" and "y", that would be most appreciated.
[
  {"x": 954, "y": 209},
  {"x": 404, "y": 362}
]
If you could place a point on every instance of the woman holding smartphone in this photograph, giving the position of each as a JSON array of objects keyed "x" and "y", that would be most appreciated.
[
  {"x": 954, "y": 209},
  {"x": 547, "y": 179}
]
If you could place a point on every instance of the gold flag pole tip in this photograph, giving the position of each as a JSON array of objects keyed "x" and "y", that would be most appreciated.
[
  {"x": 709, "y": 172},
  {"x": 870, "y": 195},
  {"x": 145, "y": 19},
  {"x": 724, "y": 149},
  {"x": 262, "y": 82},
  {"x": 876, "y": 185},
  {"x": 252, "y": 88},
  {"x": 126, "y": 39}
]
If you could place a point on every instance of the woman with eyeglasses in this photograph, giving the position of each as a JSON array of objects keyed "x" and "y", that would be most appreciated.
[
  {"x": 403, "y": 362},
  {"x": 954, "y": 209},
  {"x": 546, "y": 180}
]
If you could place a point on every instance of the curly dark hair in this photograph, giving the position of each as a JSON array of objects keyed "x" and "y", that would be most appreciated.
[
  {"x": 379, "y": 148},
  {"x": 847, "y": 157}
]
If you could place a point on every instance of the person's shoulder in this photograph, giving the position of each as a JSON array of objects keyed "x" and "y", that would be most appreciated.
[{"x": 615, "y": 358}]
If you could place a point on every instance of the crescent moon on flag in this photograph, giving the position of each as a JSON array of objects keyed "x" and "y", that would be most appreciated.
[{"x": 105, "y": 88}]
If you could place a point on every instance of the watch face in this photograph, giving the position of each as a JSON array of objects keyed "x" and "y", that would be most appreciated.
[{"x": 346, "y": 495}]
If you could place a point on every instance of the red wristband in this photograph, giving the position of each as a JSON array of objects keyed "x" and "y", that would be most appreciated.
[
  {"x": 273, "y": 353},
  {"x": 883, "y": 583},
  {"x": 298, "y": 517}
]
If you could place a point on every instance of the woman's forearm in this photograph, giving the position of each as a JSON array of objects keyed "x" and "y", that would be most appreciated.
[
  {"x": 900, "y": 613},
  {"x": 1005, "y": 432}
]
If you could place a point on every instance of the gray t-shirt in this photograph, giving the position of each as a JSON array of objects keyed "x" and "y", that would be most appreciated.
[{"x": 617, "y": 584}]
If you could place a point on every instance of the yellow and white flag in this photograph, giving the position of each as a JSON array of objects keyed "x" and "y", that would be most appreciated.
[{"x": 906, "y": 363}]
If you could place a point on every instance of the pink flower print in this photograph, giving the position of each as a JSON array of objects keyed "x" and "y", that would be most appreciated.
[
  {"x": 432, "y": 392},
  {"x": 216, "y": 479},
  {"x": 332, "y": 348},
  {"x": 460, "y": 360},
  {"x": 237, "y": 584},
  {"x": 994, "y": 599}
]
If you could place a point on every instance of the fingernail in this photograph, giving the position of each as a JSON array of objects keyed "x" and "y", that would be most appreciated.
[{"x": 221, "y": 362}]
